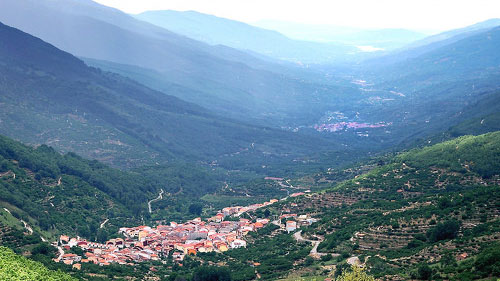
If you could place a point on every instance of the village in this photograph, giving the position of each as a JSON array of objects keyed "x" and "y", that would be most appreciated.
[{"x": 144, "y": 243}]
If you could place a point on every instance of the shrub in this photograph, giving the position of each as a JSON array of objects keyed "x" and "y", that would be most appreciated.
[
  {"x": 442, "y": 231},
  {"x": 488, "y": 261},
  {"x": 357, "y": 274},
  {"x": 424, "y": 272}
]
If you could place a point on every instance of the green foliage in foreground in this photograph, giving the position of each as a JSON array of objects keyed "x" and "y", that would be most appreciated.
[
  {"x": 357, "y": 274},
  {"x": 14, "y": 267}
]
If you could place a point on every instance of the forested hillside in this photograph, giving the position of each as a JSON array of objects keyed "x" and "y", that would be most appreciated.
[
  {"x": 51, "y": 97},
  {"x": 437, "y": 89},
  {"x": 431, "y": 213},
  {"x": 64, "y": 193},
  {"x": 217, "y": 77}
]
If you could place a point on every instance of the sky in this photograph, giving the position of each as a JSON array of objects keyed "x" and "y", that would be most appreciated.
[{"x": 411, "y": 14}]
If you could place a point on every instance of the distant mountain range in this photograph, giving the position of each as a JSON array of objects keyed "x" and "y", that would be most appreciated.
[
  {"x": 420, "y": 96},
  {"x": 386, "y": 39},
  {"x": 220, "y": 78},
  {"x": 435, "y": 42},
  {"x": 219, "y": 31},
  {"x": 437, "y": 86}
]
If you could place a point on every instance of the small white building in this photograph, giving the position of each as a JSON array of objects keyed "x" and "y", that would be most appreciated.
[
  {"x": 291, "y": 226},
  {"x": 238, "y": 243}
]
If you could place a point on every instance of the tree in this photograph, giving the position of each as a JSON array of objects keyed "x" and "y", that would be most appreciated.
[
  {"x": 267, "y": 213},
  {"x": 448, "y": 260},
  {"x": 308, "y": 261},
  {"x": 424, "y": 272},
  {"x": 196, "y": 209},
  {"x": 102, "y": 235},
  {"x": 357, "y": 274},
  {"x": 211, "y": 273},
  {"x": 43, "y": 249},
  {"x": 445, "y": 230},
  {"x": 488, "y": 261}
]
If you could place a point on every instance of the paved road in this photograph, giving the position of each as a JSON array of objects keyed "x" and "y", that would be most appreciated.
[
  {"x": 61, "y": 253},
  {"x": 353, "y": 261},
  {"x": 102, "y": 224},
  {"x": 30, "y": 230},
  {"x": 314, "y": 251},
  {"x": 160, "y": 196}
]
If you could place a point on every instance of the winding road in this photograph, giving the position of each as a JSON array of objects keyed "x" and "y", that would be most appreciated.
[
  {"x": 28, "y": 228},
  {"x": 160, "y": 196},
  {"x": 314, "y": 251},
  {"x": 61, "y": 253}
]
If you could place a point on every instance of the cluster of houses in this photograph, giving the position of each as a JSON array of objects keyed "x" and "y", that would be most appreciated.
[
  {"x": 239, "y": 210},
  {"x": 143, "y": 243},
  {"x": 294, "y": 221},
  {"x": 342, "y": 126}
]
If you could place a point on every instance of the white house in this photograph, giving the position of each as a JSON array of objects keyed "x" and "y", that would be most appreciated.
[{"x": 238, "y": 243}]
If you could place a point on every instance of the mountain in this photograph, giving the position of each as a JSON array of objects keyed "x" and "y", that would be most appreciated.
[
  {"x": 434, "y": 42},
  {"x": 457, "y": 33},
  {"x": 434, "y": 91},
  {"x": 220, "y": 31},
  {"x": 58, "y": 193},
  {"x": 229, "y": 81},
  {"x": 386, "y": 39},
  {"x": 52, "y": 97},
  {"x": 467, "y": 57},
  {"x": 443, "y": 199}
]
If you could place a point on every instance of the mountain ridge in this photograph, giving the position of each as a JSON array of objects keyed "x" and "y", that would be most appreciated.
[{"x": 130, "y": 124}]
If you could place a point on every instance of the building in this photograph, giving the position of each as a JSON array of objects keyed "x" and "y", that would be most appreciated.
[
  {"x": 291, "y": 226},
  {"x": 238, "y": 243}
]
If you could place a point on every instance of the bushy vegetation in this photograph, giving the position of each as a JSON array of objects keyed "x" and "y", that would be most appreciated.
[
  {"x": 16, "y": 268},
  {"x": 356, "y": 274},
  {"x": 444, "y": 230}
]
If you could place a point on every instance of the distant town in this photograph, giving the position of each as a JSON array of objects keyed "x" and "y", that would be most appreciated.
[{"x": 144, "y": 243}]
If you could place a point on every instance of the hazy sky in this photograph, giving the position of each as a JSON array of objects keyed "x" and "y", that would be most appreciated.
[{"x": 414, "y": 14}]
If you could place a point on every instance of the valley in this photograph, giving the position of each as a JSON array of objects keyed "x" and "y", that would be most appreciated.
[{"x": 178, "y": 145}]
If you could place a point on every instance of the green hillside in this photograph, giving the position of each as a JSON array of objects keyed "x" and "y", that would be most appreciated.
[
  {"x": 16, "y": 268},
  {"x": 425, "y": 95},
  {"x": 426, "y": 205},
  {"x": 44, "y": 194},
  {"x": 64, "y": 193},
  {"x": 227, "y": 78},
  {"x": 431, "y": 213},
  {"x": 51, "y": 97}
]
